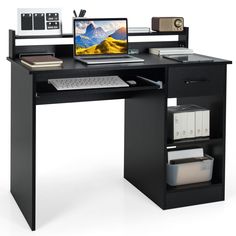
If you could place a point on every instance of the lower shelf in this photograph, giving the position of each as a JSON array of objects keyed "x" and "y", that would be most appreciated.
[
  {"x": 193, "y": 141},
  {"x": 194, "y": 194},
  {"x": 190, "y": 186}
]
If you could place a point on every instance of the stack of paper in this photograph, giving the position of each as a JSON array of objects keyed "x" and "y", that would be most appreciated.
[
  {"x": 170, "y": 51},
  {"x": 138, "y": 30}
]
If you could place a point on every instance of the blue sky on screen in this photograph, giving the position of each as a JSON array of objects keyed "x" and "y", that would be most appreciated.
[{"x": 108, "y": 25}]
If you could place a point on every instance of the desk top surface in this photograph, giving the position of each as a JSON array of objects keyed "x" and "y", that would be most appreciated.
[{"x": 150, "y": 61}]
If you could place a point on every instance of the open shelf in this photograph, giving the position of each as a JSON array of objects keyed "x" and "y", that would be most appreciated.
[
  {"x": 194, "y": 194},
  {"x": 192, "y": 186},
  {"x": 202, "y": 192},
  {"x": 193, "y": 141},
  {"x": 151, "y": 33}
]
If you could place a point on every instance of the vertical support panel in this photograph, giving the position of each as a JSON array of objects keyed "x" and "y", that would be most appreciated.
[
  {"x": 145, "y": 155},
  {"x": 23, "y": 141},
  {"x": 12, "y": 44},
  {"x": 184, "y": 38}
]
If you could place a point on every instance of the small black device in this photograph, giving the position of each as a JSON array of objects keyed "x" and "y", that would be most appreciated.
[
  {"x": 189, "y": 58},
  {"x": 52, "y": 16},
  {"x": 26, "y": 22},
  {"x": 131, "y": 82},
  {"x": 39, "y": 21}
]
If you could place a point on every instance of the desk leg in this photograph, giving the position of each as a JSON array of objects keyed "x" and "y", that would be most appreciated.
[
  {"x": 145, "y": 155},
  {"x": 23, "y": 142}
]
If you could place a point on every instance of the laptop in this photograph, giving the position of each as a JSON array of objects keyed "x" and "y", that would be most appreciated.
[{"x": 102, "y": 41}]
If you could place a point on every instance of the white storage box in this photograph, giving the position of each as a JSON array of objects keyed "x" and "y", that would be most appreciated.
[{"x": 200, "y": 170}]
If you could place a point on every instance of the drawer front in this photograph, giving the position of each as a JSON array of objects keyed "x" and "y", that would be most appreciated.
[{"x": 196, "y": 80}]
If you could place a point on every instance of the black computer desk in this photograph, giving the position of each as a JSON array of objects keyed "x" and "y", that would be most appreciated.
[{"x": 146, "y": 141}]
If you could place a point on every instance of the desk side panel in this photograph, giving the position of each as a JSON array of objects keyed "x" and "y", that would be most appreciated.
[
  {"x": 23, "y": 142},
  {"x": 144, "y": 163}
]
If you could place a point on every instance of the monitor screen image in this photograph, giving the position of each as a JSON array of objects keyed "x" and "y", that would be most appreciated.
[{"x": 100, "y": 36}]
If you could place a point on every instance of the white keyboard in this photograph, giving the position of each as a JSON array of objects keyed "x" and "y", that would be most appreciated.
[{"x": 88, "y": 82}]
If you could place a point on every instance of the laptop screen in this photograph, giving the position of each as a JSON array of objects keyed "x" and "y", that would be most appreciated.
[{"x": 100, "y": 36}]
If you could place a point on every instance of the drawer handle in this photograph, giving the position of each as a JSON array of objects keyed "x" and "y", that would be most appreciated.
[{"x": 195, "y": 81}]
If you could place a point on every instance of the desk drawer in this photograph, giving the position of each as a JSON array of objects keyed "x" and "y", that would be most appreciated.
[{"x": 196, "y": 80}]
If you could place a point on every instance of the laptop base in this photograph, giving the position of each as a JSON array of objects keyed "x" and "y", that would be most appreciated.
[{"x": 109, "y": 60}]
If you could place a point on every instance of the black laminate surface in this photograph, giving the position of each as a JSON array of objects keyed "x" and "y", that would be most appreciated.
[{"x": 150, "y": 61}]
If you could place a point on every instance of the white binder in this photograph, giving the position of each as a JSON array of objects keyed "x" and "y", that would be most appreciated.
[
  {"x": 190, "y": 124},
  {"x": 198, "y": 123},
  {"x": 180, "y": 126},
  {"x": 206, "y": 123}
]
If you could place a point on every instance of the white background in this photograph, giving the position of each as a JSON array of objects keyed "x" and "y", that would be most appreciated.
[{"x": 80, "y": 185}]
